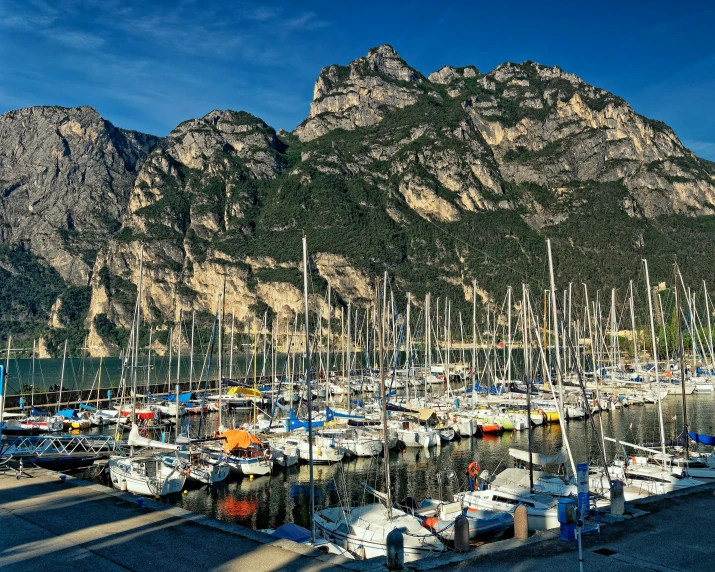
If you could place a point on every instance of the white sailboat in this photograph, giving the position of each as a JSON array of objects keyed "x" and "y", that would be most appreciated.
[
  {"x": 150, "y": 474},
  {"x": 364, "y": 529}
]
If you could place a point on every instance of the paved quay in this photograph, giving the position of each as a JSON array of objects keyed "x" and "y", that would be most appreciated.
[{"x": 45, "y": 524}]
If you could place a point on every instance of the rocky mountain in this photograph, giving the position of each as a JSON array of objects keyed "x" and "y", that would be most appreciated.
[
  {"x": 65, "y": 178},
  {"x": 439, "y": 180}
]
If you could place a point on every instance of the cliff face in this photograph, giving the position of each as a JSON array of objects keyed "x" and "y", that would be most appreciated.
[
  {"x": 439, "y": 180},
  {"x": 65, "y": 177}
]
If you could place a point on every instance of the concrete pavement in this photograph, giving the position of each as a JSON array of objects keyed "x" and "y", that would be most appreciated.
[{"x": 45, "y": 524}]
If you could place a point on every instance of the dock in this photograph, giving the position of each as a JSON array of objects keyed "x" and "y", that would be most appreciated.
[
  {"x": 47, "y": 523},
  {"x": 88, "y": 527}
]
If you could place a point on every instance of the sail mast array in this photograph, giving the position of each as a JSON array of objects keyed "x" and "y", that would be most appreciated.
[{"x": 569, "y": 337}]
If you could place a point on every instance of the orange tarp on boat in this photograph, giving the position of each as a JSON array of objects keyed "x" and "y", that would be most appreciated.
[{"x": 238, "y": 438}]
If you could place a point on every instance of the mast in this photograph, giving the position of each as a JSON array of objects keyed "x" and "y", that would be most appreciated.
[
  {"x": 348, "y": 348},
  {"x": 342, "y": 339},
  {"x": 546, "y": 346},
  {"x": 230, "y": 357},
  {"x": 682, "y": 361},
  {"x": 614, "y": 336},
  {"x": 136, "y": 336},
  {"x": 710, "y": 331},
  {"x": 310, "y": 392},
  {"x": 562, "y": 422},
  {"x": 633, "y": 331},
  {"x": 407, "y": 318},
  {"x": 191, "y": 352},
  {"x": 178, "y": 363},
  {"x": 655, "y": 355},
  {"x": 99, "y": 382},
  {"x": 593, "y": 358},
  {"x": 62, "y": 375},
  {"x": 327, "y": 349},
  {"x": 527, "y": 373},
  {"x": 665, "y": 333},
  {"x": 148, "y": 362},
  {"x": 428, "y": 352},
  {"x": 383, "y": 398},
  {"x": 171, "y": 348},
  {"x": 474, "y": 341},
  {"x": 32, "y": 396},
  {"x": 556, "y": 330},
  {"x": 508, "y": 335},
  {"x": 448, "y": 335},
  {"x": 570, "y": 322},
  {"x": 3, "y": 389},
  {"x": 255, "y": 373}
]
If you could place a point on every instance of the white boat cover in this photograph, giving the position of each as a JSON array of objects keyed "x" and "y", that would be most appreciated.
[
  {"x": 538, "y": 458},
  {"x": 136, "y": 440}
]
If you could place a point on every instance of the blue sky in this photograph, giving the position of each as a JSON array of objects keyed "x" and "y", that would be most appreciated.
[{"x": 150, "y": 65}]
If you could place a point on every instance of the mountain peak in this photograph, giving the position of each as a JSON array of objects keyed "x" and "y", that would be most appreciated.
[
  {"x": 359, "y": 94},
  {"x": 384, "y": 59}
]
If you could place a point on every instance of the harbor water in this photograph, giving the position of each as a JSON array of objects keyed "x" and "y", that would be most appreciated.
[{"x": 267, "y": 502}]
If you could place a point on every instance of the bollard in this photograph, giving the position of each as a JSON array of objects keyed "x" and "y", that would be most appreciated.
[
  {"x": 395, "y": 550},
  {"x": 521, "y": 522},
  {"x": 461, "y": 534},
  {"x": 618, "y": 506},
  {"x": 140, "y": 502}
]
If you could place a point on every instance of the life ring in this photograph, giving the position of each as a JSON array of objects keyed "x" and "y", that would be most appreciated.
[
  {"x": 632, "y": 460},
  {"x": 143, "y": 432},
  {"x": 473, "y": 469},
  {"x": 267, "y": 454}
]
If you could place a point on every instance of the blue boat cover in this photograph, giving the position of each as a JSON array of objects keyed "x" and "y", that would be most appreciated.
[
  {"x": 704, "y": 439},
  {"x": 67, "y": 414},
  {"x": 37, "y": 412},
  {"x": 183, "y": 397},
  {"x": 293, "y": 532},
  {"x": 330, "y": 415},
  {"x": 296, "y": 423},
  {"x": 88, "y": 407}
]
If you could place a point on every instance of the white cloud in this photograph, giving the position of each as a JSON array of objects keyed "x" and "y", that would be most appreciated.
[
  {"x": 705, "y": 149},
  {"x": 76, "y": 40}
]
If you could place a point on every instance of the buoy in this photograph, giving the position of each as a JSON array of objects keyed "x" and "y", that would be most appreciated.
[
  {"x": 404, "y": 451},
  {"x": 250, "y": 478},
  {"x": 186, "y": 492}
]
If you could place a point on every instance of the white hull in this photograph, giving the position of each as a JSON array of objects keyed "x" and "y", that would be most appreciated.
[
  {"x": 132, "y": 475},
  {"x": 258, "y": 466}
]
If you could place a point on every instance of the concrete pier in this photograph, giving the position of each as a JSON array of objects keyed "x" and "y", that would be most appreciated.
[
  {"x": 46, "y": 524},
  {"x": 49, "y": 525}
]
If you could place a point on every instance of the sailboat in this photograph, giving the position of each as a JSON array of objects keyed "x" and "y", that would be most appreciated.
[{"x": 363, "y": 530}]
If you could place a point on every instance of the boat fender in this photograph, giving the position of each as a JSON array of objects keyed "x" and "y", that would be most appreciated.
[
  {"x": 187, "y": 471},
  {"x": 632, "y": 460},
  {"x": 473, "y": 469}
]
